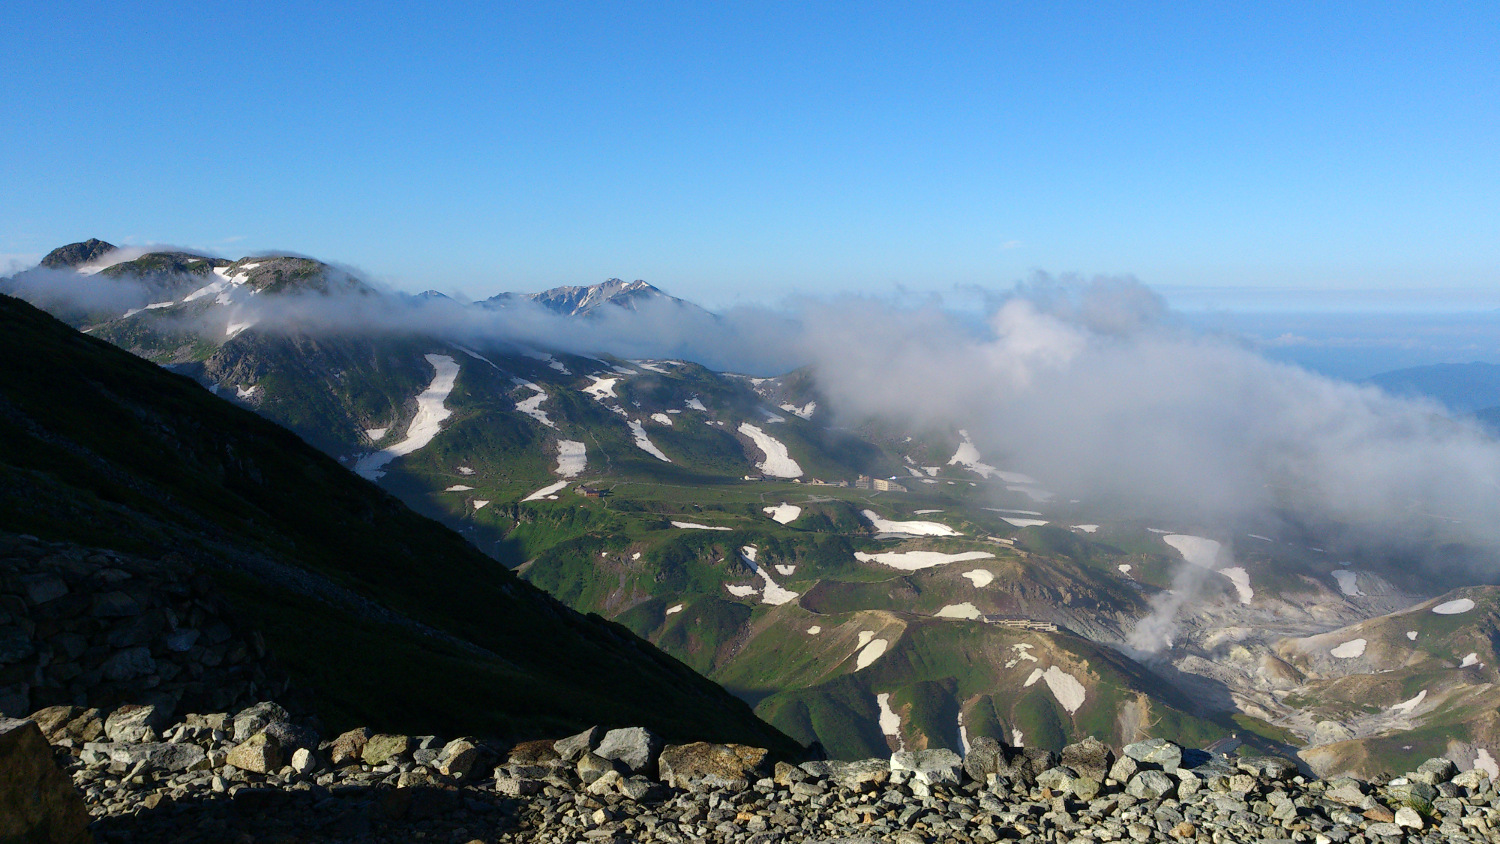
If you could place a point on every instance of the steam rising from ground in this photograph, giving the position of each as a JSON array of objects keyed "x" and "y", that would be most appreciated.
[{"x": 1089, "y": 386}]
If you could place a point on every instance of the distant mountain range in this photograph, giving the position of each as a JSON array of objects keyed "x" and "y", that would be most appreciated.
[
  {"x": 588, "y": 300},
  {"x": 860, "y": 585},
  {"x": 1462, "y": 387}
]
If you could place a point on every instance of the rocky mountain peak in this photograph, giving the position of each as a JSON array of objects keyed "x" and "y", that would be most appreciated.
[
  {"x": 582, "y": 300},
  {"x": 76, "y": 254}
]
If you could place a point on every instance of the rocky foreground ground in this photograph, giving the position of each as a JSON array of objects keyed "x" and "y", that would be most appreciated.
[{"x": 257, "y": 777}]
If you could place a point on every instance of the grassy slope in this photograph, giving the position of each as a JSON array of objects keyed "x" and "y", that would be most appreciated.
[{"x": 100, "y": 447}]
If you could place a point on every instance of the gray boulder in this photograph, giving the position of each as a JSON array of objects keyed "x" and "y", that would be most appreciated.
[
  {"x": 1268, "y": 767},
  {"x": 304, "y": 762},
  {"x": 160, "y": 756},
  {"x": 385, "y": 747},
  {"x": 1123, "y": 769},
  {"x": 1150, "y": 785},
  {"x": 701, "y": 765},
  {"x": 592, "y": 766},
  {"x": 635, "y": 748},
  {"x": 1417, "y": 795},
  {"x": 929, "y": 766},
  {"x": 864, "y": 775},
  {"x": 136, "y": 723},
  {"x": 1155, "y": 753},
  {"x": 1059, "y": 779},
  {"x": 291, "y": 736},
  {"x": 573, "y": 747},
  {"x": 1435, "y": 771},
  {"x": 260, "y": 754},
  {"x": 1090, "y": 758},
  {"x": 349, "y": 746},
  {"x": 458, "y": 758},
  {"x": 253, "y": 719},
  {"x": 986, "y": 756}
]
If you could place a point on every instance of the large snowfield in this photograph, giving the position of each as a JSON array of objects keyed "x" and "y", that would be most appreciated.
[
  {"x": 916, "y": 560},
  {"x": 778, "y": 463},
  {"x": 424, "y": 426},
  {"x": 914, "y": 528}
]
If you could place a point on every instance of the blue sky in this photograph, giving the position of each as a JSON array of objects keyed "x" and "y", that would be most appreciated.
[{"x": 1327, "y": 152}]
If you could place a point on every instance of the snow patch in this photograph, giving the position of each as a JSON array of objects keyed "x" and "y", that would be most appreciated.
[
  {"x": 890, "y": 722},
  {"x": 1454, "y": 607},
  {"x": 1086, "y": 528},
  {"x": 786, "y": 571},
  {"x": 376, "y": 433},
  {"x": 1019, "y": 522},
  {"x": 740, "y": 591},
  {"x": 916, "y": 560},
  {"x": 465, "y": 470},
  {"x": 1348, "y": 582},
  {"x": 869, "y": 653},
  {"x": 572, "y": 457},
  {"x": 480, "y": 504},
  {"x": 650, "y": 367},
  {"x": 882, "y": 525},
  {"x": 696, "y": 526},
  {"x": 814, "y": 630},
  {"x": 533, "y": 406},
  {"x": 771, "y": 418},
  {"x": 1405, "y": 707},
  {"x": 602, "y": 388},
  {"x": 1035, "y": 675},
  {"x": 968, "y": 457},
  {"x": 1412, "y": 635},
  {"x": 924, "y": 512},
  {"x": 1483, "y": 761},
  {"x": 1350, "y": 649},
  {"x": 694, "y": 404},
  {"x": 806, "y": 411},
  {"x": 784, "y": 513},
  {"x": 424, "y": 427},
  {"x": 458, "y": 488},
  {"x": 546, "y": 491},
  {"x": 1066, "y": 688},
  {"x": 1124, "y": 569},
  {"x": 778, "y": 463},
  {"x": 773, "y": 594},
  {"x": 662, "y": 418},
  {"x": 672, "y": 609},
  {"x": 964, "y": 610},
  {"x": 1241, "y": 580},
  {"x": 1471, "y": 659},
  {"x": 1261, "y": 538},
  {"x": 1194, "y": 549},
  {"x": 547, "y": 359},
  {"x": 980, "y": 577},
  {"x": 644, "y": 443}
]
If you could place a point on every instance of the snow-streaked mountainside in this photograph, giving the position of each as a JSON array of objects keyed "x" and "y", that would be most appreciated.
[
  {"x": 586, "y": 300},
  {"x": 864, "y": 586}
]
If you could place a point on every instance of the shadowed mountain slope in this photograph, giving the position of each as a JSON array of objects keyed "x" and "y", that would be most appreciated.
[{"x": 386, "y": 617}]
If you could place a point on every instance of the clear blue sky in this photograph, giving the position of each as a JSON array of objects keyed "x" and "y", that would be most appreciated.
[{"x": 729, "y": 151}]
